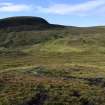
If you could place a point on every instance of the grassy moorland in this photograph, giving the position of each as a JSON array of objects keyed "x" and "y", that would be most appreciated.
[{"x": 52, "y": 66}]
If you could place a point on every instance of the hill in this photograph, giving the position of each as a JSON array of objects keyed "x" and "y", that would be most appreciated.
[
  {"x": 25, "y": 30},
  {"x": 26, "y": 23},
  {"x": 46, "y": 64}
]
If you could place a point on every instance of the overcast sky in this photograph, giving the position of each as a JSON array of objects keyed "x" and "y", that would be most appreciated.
[{"x": 67, "y": 12}]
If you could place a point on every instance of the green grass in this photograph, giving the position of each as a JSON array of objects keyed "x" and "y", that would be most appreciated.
[{"x": 61, "y": 67}]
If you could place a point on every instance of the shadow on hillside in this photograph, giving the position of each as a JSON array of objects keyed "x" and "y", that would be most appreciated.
[{"x": 39, "y": 98}]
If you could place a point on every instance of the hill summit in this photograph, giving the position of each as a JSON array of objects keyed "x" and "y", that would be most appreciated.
[{"x": 25, "y": 23}]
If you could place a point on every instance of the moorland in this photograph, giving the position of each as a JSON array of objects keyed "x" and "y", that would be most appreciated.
[{"x": 49, "y": 64}]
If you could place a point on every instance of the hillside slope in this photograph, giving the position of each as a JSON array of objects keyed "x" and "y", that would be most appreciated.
[
  {"x": 26, "y": 23},
  {"x": 51, "y": 66},
  {"x": 25, "y": 30},
  {"x": 22, "y": 31}
]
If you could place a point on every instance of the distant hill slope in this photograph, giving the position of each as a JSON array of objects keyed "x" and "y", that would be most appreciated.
[
  {"x": 26, "y": 23},
  {"x": 26, "y": 31}
]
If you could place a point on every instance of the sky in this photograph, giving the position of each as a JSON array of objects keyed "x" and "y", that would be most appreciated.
[{"x": 64, "y": 12}]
